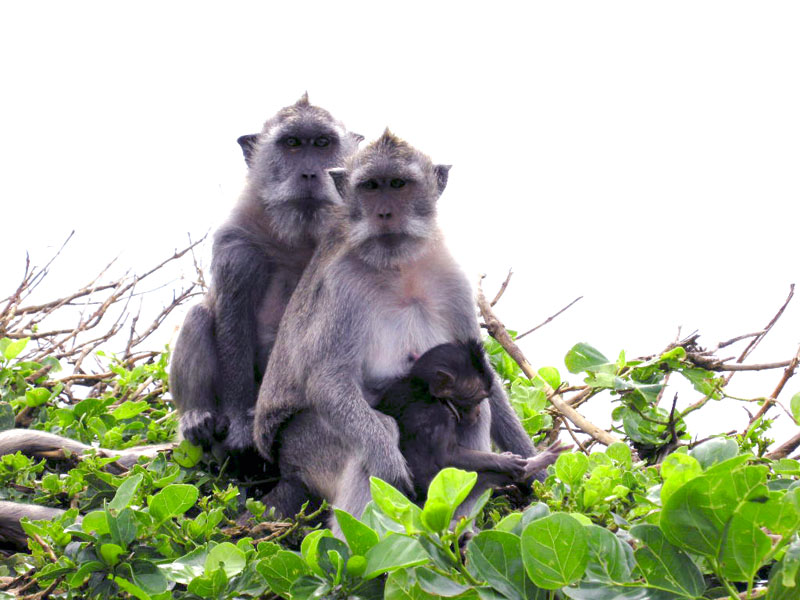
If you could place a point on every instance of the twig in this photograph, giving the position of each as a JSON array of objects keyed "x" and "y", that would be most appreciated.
[
  {"x": 499, "y": 333},
  {"x": 757, "y": 339},
  {"x": 502, "y": 289},
  {"x": 548, "y": 319},
  {"x": 785, "y": 449}
]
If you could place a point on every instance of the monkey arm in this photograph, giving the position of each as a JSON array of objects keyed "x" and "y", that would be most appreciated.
[
  {"x": 341, "y": 402},
  {"x": 475, "y": 460},
  {"x": 240, "y": 273},
  {"x": 507, "y": 432}
]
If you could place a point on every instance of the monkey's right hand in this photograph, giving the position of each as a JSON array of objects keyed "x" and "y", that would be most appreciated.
[{"x": 203, "y": 428}]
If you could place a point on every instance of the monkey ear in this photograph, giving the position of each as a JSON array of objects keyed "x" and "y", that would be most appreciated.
[
  {"x": 357, "y": 137},
  {"x": 442, "y": 384},
  {"x": 248, "y": 143},
  {"x": 441, "y": 172},
  {"x": 339, "y": 177}
]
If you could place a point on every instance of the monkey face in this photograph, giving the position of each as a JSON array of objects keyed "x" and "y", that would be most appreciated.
[
  {"x": 390, "y": 191},
  {"x": 288, "y": 162}
]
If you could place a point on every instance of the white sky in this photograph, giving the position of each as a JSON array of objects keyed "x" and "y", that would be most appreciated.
[{"x": 643, "y": 155}]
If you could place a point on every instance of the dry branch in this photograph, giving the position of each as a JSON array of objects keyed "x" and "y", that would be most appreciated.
[
  {"x": 73, "y": 326},
  {"x": 498, "y": 331}
]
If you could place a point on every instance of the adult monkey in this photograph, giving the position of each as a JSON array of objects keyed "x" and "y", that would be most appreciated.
[
  {"x": 381, "y": 290},
  {"x": 258, "y": 256}
]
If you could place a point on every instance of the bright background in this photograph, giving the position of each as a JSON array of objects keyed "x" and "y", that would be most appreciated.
[{"x": 643, "y": 155}]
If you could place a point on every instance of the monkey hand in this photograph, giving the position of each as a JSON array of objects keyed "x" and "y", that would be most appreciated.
[
  {"x": 545, "y": 458},
  {"x": 202, "y": 427},
  {"x": 240, "y": 433},
  {"x": 512, "y": 465}
]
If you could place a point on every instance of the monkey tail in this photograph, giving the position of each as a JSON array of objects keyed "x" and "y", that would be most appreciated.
[
  {"x": 12, "y": 536},
  {"x": 41, "y": 444}
]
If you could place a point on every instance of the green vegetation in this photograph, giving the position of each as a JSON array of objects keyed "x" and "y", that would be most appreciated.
[
  {"x": 645, "y": 511},
  {"x": 712, "y": 521}
]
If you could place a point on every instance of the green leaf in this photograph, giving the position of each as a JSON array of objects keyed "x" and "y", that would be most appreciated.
[
  {"x": 715, "y": 451},
  {"x": 310, "y": 586},
  {"x": 676, "y": 470},
  {"x": 446, "y": 492},
  {"x": 132, "y": 589},
  {"x": 664, "y": 566},
  {"x": 621, "y": 453},
  {"x": 148, "y": 577},
  {"x": 13, "y": 349},
  {"x": 37, "y": 396},
  {"x": 172, "y": 501},
  {"x": 555, "y": 551},
  {"x": 281, "y": 570},
  {"x": 784, "y": 577},
  {"x": 187, "y": 567},
  {"x": 595, "y": 590},
  {"x": 496, "y": 557},
  {"x": 438, "y": 585},
  {"x": 436, "y": 515},
  {"x": 227, "y": 557},
  {"x": 395, "y": 505},
  {"x": 128, "y": 410},
  {"x": 187, "y": 454},
  {"x": 78, "y": 578},
  {"x": 571, "y": 467},
  {"x": 402, "y": 585},
  {"x": 583, "y": 357},
  {"x": 551, "y": 376},
  {"x": 360, "y": 537},
  {"x": 744, "y": 548},
  {"x": 125, "y": 492},
  {"x": 696, "y": 514},
  {"x": 123, "y": 527},
  {"x": 309, "y": 549},
  {"x": 394, "y": 552},
  {"x": 96, "y": 521},
  {"x": 794, "y": 404},
  {"x": 610, "y": 559}
]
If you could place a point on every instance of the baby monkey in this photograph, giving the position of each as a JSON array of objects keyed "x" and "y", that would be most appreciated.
[{"x": 444, "y": 392}]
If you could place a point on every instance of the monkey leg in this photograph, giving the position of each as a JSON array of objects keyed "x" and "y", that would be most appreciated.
[
  {"x": 193, "y": 371},
  {"x": 288, "y": 497}
]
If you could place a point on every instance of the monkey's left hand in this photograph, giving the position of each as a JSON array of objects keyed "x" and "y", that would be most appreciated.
[{"x": 545, "y": 458}]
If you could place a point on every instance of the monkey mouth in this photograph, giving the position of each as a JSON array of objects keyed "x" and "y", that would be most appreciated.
[
  {"x": 391, "y": 240},
  {"x": 309, "y": 205}
]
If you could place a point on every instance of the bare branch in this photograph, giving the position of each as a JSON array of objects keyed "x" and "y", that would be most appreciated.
[
  {"x": 498, "y": 331},
  {"x": 548, "y": 319}
]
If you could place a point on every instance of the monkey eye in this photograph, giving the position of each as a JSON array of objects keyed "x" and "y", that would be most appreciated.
[
  {"x": 397, "y": 183},
  {"x": 370, "y": 184},
  {"x": 292, "y": 141},
  {"x": 321, "y": 142}
]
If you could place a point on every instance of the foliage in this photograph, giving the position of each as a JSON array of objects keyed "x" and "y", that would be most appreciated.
[{"x": 653, "y": 518}]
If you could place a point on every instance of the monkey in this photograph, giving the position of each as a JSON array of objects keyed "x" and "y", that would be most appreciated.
[
  {"x": 258, "y": 256},
  {"x": 381, "y": 289},
  {"x": 442, "y": 394}
]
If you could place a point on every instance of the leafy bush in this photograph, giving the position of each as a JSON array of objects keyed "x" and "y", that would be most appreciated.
[{"x": 714, "y": 520}]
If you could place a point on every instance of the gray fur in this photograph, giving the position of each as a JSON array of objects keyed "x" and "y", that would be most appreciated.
[
  {"x": 12, "y": 536},
  {"x": 44, "y": 445},
  {"x": 258, "y": 256},
  {"x": 381, "y": 290}
]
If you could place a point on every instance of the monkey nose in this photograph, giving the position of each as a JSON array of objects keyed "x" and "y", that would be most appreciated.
[
  {"x": 308, "y": 176},
  {"x": 385, "y": 215}
]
